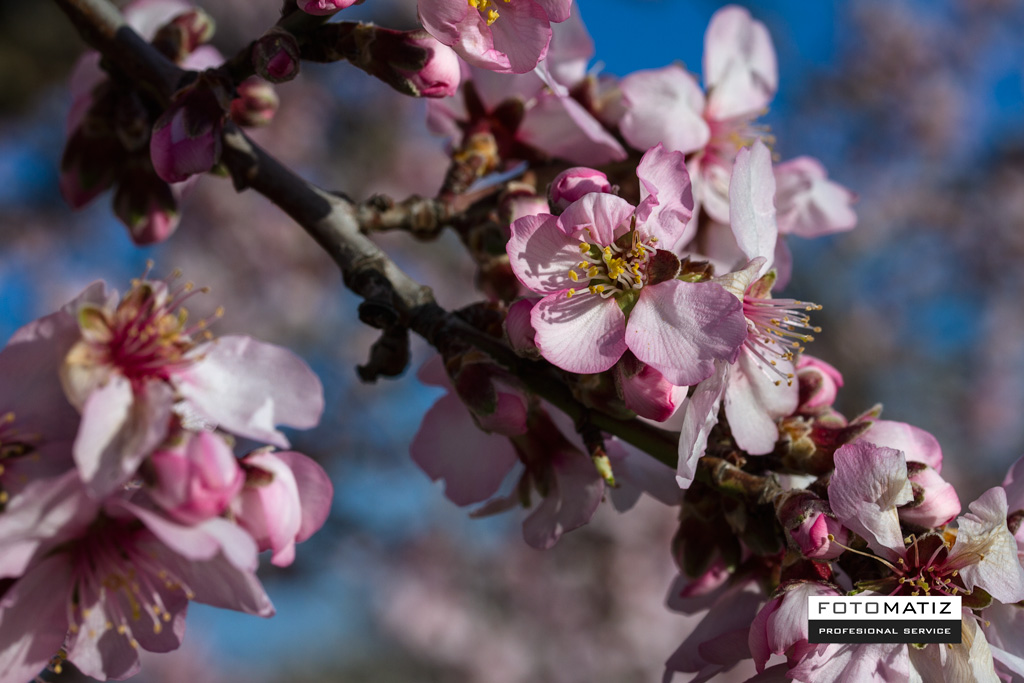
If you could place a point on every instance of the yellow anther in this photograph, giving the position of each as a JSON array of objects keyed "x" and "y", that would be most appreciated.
[
  {"x": 492, "y": 16},
  {"x": 593, "y": 271},
  {"x": 568, "y": 295},
  {"x": 573, "y": 276},
  {"x": 584, "y": 247}
]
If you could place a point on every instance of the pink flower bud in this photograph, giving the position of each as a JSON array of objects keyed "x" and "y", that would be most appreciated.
[
  {"x": 812, "y": 537},
  {"x": 573, "y": 183},
  {"x": 186, "y": 137},
  {"x": 322, "y": 7},
  {"x": 441, "y": 75},
  {"x": 287, "y": 497},
  {"x": 256, "y": 104},
  {"x": 198, "y": 479},
  {"x": 819, "y": 383},
  {"x": 275, "y": 56},
  {"x": 935, "y": 501},
  {"x": 147, "y": 206},
  {"x": 519, "y": 329}
]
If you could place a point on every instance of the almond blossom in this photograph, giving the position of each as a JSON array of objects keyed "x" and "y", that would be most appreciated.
[
  {"x": 757, "y": 389},
  {"x": 608, "y": 286},
  {"x": 137, "y": 361},
  {"x": 508, "y": 37},
  {"x": 119, "y": 582}
]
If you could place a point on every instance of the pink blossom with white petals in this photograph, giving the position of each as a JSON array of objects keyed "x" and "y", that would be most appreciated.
[
  {"x": 611, "y": 250},
  {"x": 138, "y": 360},
  {"x": 667, "y": 105},
  {"x": 122, "y": 585},
  {"x": 507, "y": 37}
]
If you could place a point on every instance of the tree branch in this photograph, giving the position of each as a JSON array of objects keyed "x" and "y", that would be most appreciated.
[{"x": 392, "y": 298}]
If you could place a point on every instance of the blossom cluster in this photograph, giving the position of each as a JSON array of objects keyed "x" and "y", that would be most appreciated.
[
  {"x": 632, "y": 244},
  {"x": 121, "y": 497}
]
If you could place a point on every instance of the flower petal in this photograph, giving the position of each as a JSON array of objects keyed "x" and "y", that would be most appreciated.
[
  {"x": 570, "y": 504},
  {"x": 700, "y": 417},
  {"x": 987, "y": 548},
  {"x": 558, "y": 125},
  {"x": 584, "y": 334},
  {"x": 680, "y": 329},
  {"x": 868, "y": 484},
  {"x": 247, "y": 387},
  {"x": 664, "y": 106},
  {"x": 740, "y": 70},
  {"x": 752, "y": 203},
  {"x": 601, "y": 218},
  {"x": 541, "y": 254},
  {"x": 451, "y": 447},
  {"x": 33, "y": 619},
  {"x": 666, "y": 198}
]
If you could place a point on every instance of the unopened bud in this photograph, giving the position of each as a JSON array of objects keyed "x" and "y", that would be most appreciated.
[
  {"x": 275, "y": 56},
  {"x": 186, "y": 137},
  {"x": 935, "y": 501},
  {"x": 519, "y": 329},
  {"x": 183, "y": 34},
  {"x": 147, "y": 206},
  {"x": 821, "y": 537},
  {"x": 819, "y": 384},
  {"x": 256, "y": 104},
  {"x": 573, "y": 183},
  {"x": 441, "y": 74}
]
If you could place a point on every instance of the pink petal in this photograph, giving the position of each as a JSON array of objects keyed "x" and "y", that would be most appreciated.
[
  {"x": 886, "y": 663},
  {"x": 868, "y": 484},
  {"x": 664, "y": 106},
  {"x": 740, "y": 70},
  {"x": 700, "y": 417},
  {"x": 119, "y": 429},
  {"x": 752, "y": 203},
  {"x": 176, "y": 154},
  {"x": 451, "y": 447},
  {"x": 541, "y": 254},
  {"x": 519, "y": 328},
  {"x": 1014, "y": 485},
  {"x": 33, "y": 619},
  {"x": 647, "y": 393},
  {"x": 601, "y": 218},
  {"x": 523, "y": 33},
  {"x": 637, "y": 472},
  {"x": 940, "y": 502},
  {"x": 755, "y": 399},
  {"x": 443, "y": 18},
  {"x": 584, "y": 334},
  {"x": 315, "y": 492},
  {"x": 681, "y": 328},
  {"x": 100, "y": 652},
  {"x": 666, "y": 198},
  {"x": 809, "y": 204},
  {"x": 572, "y": 502},
  {"x": 571, "y": 47},
  {"x": 556, "y": 10},
  {"x": 247, "y": 387},
  {"x": 982, "y": 532},
  {"x": 560, "y": 126},
  {"x": 917, "y": 444}
]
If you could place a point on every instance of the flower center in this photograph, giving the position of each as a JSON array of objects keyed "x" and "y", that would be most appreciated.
[
  {"x": 124, "y": 582},
  {"x": 13, "y": 444},
  {"x": 487, "y": 9},
  {"x": 613, "y": 269},
  {"x": 147, "y": 335},
  {"x": 776, "y": 331}
]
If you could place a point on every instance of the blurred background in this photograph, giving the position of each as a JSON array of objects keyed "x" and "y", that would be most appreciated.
[{"x": 917, "y": 106}]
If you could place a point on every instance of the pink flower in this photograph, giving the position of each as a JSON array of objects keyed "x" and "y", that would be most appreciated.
[
  {"x": 138, "y": 359},
  {"x": 808, "y": 203},
  {"x": 870, "y": 482},
  {"x": 122, "y": 584},
  {"x": 186, "y": 138},
  {"x": 286, "y": 499},
  {"x": 529, "y": 114},
  {"x": 196, "y": 479},
  {"x": 600, "y": 260},
  {"x": 507, "y": 37},
  {"x": 322, "y": 7},
  {"x": 757, "y": 388},
  {"x": 782, "y": 622},
  {"x": 572, "y": 183},
  {"x": 667, "y": 106}
]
